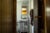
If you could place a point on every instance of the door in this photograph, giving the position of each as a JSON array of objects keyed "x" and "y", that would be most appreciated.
[
  {"x": 42, "y": 11},
  {"x": 7, "y": 16},
  {"x": 41, "y": 14}
]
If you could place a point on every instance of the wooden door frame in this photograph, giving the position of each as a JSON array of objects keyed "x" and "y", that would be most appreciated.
[
  {"x": 14, "y": 16},
  {"x": 45, "y": 25}
]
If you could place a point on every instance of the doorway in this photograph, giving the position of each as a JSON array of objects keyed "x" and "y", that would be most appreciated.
[
  {"x": 23, "y": 16},
  {"x": 39, "y": 10}
]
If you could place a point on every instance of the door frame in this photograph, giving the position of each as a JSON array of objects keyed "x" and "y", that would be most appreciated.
[{"x": 14, "y": 16}]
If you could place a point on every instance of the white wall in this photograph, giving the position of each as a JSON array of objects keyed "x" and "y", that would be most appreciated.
[
  {"x": 19, "y": 9},
  {"x": 32, "y": 4},
  {"x": 19, "y": 6}
]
